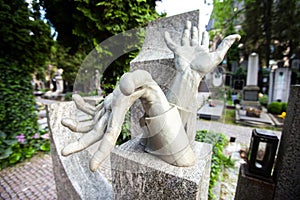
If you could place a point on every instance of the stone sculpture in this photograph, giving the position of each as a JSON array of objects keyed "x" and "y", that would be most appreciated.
[{"x": 166, "y": 115}]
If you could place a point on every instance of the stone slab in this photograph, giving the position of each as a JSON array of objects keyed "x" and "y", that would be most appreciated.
[
  {"x": 263, "y": 119},
  {"x": 139, "y": 175},
  {"x": 249, "y": 188},
  {"x": 73, "y": 178},
  {"x": 208, "y": 112}
]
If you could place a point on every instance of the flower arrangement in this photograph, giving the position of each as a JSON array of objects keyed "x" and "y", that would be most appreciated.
[{"x": 253, "y": 112}]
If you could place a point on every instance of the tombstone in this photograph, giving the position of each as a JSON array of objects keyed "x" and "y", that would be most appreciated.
[
  {"x": 285, "y": 182},
  {"x": 287, "y": 168},
  {"x": 280, "y": 81},
  {"x": 133, "y": 177},
  {"x": 250, "y": 91}
]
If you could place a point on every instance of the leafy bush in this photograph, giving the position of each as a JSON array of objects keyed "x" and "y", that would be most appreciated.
[
  {"x": 125, "y": 132},
  {"x": 284, "y": 107},
  {"x": 22, "y": 146},
  {"x": 275, "y": 108},
  {"x": 18, "y": 119},
  {"x": 263, "y": 100},
  {"x": 68, "y": 96},
  {"x": 219, "y": 160}
]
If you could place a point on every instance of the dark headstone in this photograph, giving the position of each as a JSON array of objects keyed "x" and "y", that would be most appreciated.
[{"x": 287, "y": 168}]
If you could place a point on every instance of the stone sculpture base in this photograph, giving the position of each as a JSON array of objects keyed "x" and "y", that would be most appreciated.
[
  {"x": 139, "y": 175},
  {"x": 73, "y": 178},
  {"x": 249, "y": 187}
]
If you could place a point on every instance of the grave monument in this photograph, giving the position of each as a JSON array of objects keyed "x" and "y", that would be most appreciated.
[
  {"x": 250, "y": 91},
  {"x": 280, "y": 81},
  {"x": 174, "y": 165}
]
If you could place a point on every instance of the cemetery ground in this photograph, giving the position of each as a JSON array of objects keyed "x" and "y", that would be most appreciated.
[{"x": 34, "y": 179}]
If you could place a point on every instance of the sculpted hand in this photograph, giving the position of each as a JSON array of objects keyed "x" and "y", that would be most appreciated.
[
  {"x": 194, "y": 50},
  {"x": 109, "y": 116},
  {"x": 105, "y": 125}
]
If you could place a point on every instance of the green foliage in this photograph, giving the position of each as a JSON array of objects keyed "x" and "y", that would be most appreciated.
[
  {"x": 68, "y": 96},
  {"x": 267, "y": 30},
  {"x": 228, "y": 93},
  {"x": 21, "y": 147},
  {"x": 82, "y": 25},
  {"x": 125, "y": 132},
  {"x": 61, "y": 57},
  {"x": 17, "y": 101},
  {"x": 229, "y": 116},
  {"x": 284, "y": 106},
  {"x": 226, "y": 14},
  {"x": 219, "y": 160},
  {"x": 264, "y": 100},
  {"x": 24, "y": 47},
  {"x": 26, "y": 38},
  {"x": 275, "y": 108}
]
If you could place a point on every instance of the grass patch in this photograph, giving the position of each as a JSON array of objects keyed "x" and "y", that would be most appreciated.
[{"x": 229, "y": 116}]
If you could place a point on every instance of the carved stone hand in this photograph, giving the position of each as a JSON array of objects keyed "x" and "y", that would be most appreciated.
[{"x": 170, "y": 142}]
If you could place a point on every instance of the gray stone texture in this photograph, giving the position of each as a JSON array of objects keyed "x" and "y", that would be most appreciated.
[
  {"x": 212, "y": 112},
  {"x": 287, "y": 168},
  {"x": 139, "y": 175},
  {"x": 73, "y": 178},
  {"x": 157, "y": 59},
  {"x": 249, "y": 188}
]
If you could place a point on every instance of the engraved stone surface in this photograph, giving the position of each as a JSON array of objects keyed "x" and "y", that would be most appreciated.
[
  {"x": 287, "y": 168},
  {"x": 139, "y": 175},
  {"x": 73, "y": 178}
]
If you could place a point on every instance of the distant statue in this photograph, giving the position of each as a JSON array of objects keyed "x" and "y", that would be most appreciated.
[
  {"x": 58, "y": 85},
  {"x": 167, "y": 116}
]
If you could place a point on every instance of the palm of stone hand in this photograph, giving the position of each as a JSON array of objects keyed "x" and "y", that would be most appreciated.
[{"x": 193, "y": 53}]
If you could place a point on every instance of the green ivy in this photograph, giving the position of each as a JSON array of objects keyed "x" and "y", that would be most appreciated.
[
  {"x": 22, "y": 146},
  {"x": 263, "y": 100},
  {"x": 18, "y": 117},
  {"x": 219, "y": 161}
]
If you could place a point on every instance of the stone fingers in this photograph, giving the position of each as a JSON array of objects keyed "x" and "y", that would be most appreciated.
[
  {"x": 169, "y": 42},
  {"x": 88, "y": 139},
  {"x": 222, "y": 49},
  {"x": 195, "y": 37},
  {"x": 185, "y": 40},
  {"x": 80, "y": 127},
  {"x": 205, "y": 40},
  {"x": 83, "y": 106}
]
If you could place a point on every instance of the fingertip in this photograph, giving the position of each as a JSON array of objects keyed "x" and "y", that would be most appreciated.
[
  {"x": 94, "y": 165},
  {"x": 72, "y": 148},
  {"x": 69, "y": 123},
  {"x": 65, "y": 152},
  {"x": 188, "y": 24}
]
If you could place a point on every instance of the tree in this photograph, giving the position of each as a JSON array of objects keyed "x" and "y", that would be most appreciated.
[
  {"x": 227, "y": 17},
  {"x": 90, "y": 22},
  {"x": 286, "y": 27},
  {"x": 24, "y": 47}
]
